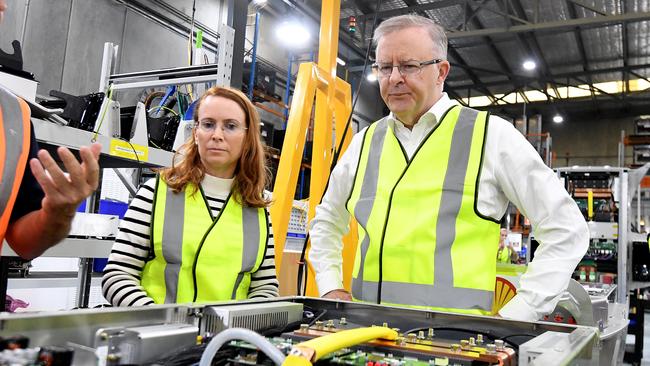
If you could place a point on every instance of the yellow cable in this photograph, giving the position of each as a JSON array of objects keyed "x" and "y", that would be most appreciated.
[
  {"x": 294, "y": 360},
  {"x": 313, "y": 349},
  {"x": 188, "y": 87}
]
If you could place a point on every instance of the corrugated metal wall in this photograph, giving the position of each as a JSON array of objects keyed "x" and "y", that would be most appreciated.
[{"x": 64, "y": 39}]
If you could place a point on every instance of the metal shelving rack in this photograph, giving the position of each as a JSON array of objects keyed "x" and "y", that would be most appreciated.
[
  {"x": 220, "y": 73},
  {"x": 72, "y": 247},
  {"x": 50, "y": 133},
  {"x": 86, "y": 249},
  {"x": 50, "y": 136},
  {"x": 620, "y": 191},
  {"x": 625, "y": 184}
]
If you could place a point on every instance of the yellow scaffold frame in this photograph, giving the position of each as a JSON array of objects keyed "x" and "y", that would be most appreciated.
[{"x": 332, "y": 110}]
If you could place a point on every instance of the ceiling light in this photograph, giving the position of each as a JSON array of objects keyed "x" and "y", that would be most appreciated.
[
  {"x": 340, "y": 62},
  {"x": 529, "y": 65},
  {"x": 259, "y": 3},
  {"x": 558, "y": 119},
  {"x": 371, "y": 77},
  {"x": 293, "y": 34}
]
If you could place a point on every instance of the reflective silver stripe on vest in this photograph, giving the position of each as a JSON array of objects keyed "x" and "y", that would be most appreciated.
[
  {"x": 442, "y": 293},
  {"x": 12, "y": 118},
  {"x": 434, "y": 296},
  {"x": 172, "y": 241},
  {"x": 251, "y": 235},
  {"x": 364, "y": 206},
  {"x": 450, "y": 203}
]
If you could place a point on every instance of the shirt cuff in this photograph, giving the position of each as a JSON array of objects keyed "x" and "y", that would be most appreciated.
[
  {"x": 518, "y": 309},
  {"x": 328, "y": 281}
]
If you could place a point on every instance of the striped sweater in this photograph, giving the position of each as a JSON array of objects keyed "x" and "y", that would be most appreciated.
[{"x": 121, "y": 281}]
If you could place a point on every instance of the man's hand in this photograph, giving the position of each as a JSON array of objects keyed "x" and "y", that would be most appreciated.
[
  {"x": 339, "y": 294},
  {"x": 35, "y": 232},
  {"x": 63, "y": 194}
]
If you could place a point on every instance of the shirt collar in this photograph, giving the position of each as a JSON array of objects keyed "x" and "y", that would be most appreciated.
[
  {"x": 215, "y": 186},
  {"x": 436, "y": 111}
]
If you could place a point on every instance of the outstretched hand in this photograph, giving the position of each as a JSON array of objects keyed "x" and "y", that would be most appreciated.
[
  {"x": 338, "y": 294},
  {"x": 63, "y": 194}
]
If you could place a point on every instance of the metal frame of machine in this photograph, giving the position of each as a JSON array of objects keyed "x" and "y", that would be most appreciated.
[
  {"x": 135, "y": 335},
  {"x": 620, "y": 191},
  {"x": 627, "y": 182}
]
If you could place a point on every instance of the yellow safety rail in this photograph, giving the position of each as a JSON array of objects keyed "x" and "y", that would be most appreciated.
[{"x": 332, "y": 109}]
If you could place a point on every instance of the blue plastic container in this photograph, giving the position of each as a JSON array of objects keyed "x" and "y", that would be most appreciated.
[{"x": 108, "y": 208}]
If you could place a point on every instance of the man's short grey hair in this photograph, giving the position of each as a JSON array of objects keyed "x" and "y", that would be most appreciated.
[{"x": 436, "y": 32}]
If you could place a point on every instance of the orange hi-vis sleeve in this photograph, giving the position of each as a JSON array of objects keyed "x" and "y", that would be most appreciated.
[{"x": 14, "y": 151}]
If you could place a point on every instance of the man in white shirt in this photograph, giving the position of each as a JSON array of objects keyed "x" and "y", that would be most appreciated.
[{"x": 428, "y": 185}]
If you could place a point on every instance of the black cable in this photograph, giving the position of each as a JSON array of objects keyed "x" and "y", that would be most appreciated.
[
  {"x": 192, "y": 31},
  {"x": 515, "y": 345},
  {"x": 132, "y": 148},
  {"x": 302, "y": 265},
  {"x": 307, "y": 318},
  {"x": 317, "y": 317},
  {"x": 277, "y": 331}
]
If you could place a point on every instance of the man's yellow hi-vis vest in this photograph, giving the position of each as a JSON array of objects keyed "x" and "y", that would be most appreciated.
[
  {"x": 422, "y": 240},
  {"x": 198, "y": 257}
]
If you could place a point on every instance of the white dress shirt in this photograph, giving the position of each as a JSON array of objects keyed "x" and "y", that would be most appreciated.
[{"x": 512, "y": 171}]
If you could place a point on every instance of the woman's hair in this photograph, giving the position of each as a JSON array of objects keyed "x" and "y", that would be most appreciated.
[
  {"x": 394, "y": 24},
  {"x": 251, "y": 174}
]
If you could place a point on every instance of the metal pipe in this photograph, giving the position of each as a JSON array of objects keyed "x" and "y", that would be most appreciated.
[
  {"x": 170, "y": 72},
  {"x": 24, "y": 26},
  {"x": 83, "y": 282},
  {"x": 164, "y": 21},
  {"x": 129, "y": 187},
  {"x": 86, "y": 264},
  {"x": 287, "y": 90},
  {"x": 621, "y": 150},
  {"x": 549, "y": 155},
  {"x": 638, "y": 208},
  {"x": 623, "y": 227},
  {"x": 251, "y": 81},
  {"x": 555, "y": 26},
  {"x": 304, "y": 151},
  {"x": 187, "y": 18}
]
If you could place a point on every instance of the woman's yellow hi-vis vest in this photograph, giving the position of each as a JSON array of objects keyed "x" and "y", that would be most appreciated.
[
  {"x": 198, "y": 257},
  {"x": 422, "y": 241}
]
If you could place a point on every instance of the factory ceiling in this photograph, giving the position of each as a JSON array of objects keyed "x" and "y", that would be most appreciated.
[{"x": 592, "y": 56}]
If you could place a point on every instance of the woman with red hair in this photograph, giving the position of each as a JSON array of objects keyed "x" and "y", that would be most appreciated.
[{"x": 200, "y": 231}]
